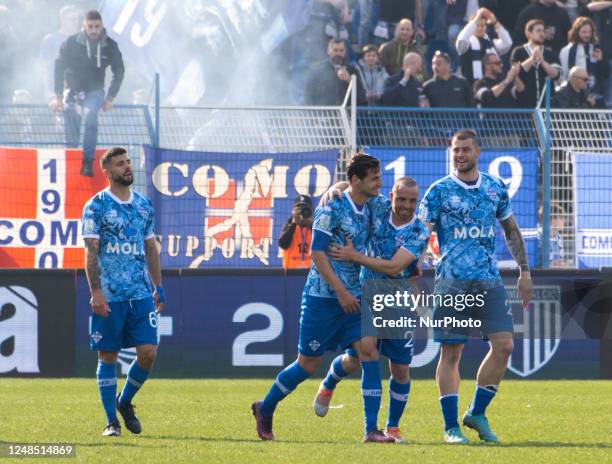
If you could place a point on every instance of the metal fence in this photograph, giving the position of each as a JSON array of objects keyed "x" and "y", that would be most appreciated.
[{"x": 297, "y": 129}]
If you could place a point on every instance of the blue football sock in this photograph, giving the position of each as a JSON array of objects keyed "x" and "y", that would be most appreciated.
[
  {"x": 371, "y": 388},
  {"x": 107, "y": 384},
  {"x": 136, "y": 377},
  {"x": 398, "y": 396},
  {"x": 286, "y": 381},
  {"x": 450, "y": 410},
  {"x": 482, "y": 398},
  {"x": 336, "y": 373}
]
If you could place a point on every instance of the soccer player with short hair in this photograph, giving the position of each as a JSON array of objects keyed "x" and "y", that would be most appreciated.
[
  {"x": 398, "y": 240},
  {"x": 463, "y": 208},
  {"x": 330, "y": 314},
  {"x": 122, "y": 261}
]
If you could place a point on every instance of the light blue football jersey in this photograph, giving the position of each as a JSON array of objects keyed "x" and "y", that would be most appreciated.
[
  {"x": 339, "y": 219},
  {"x": 122, "y": 228},
  {"x": 464, "y": 217},
  {"x": 387, "y": 239}
]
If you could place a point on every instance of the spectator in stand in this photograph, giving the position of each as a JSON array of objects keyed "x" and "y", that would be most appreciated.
[
  {"x": 507, "y": 12},
  {"x": 404, "y": 88},
  {"x": 537, "y": 63},
  {"x": 601, "y": 13},
  {"x": 473, "y": 44},
  {"x": 8, "y": 55},
  {"x": 494, "y": 90},
  {"x": 391, "y": 12},
  {"x": 556, "y": 23},
  {"x": 328, "y": 81},
  {"x": 372, "y": 75},
  {"x": 583, "y": 50},
  {"x": 70, "y": 20},
  {"x": 446, "y": 90},
  {"x": 457, "y": 13},
  {"x": 574, "y": 93},
  {"x": 392, "y": 53},
  {"x": 80, "y": 69}
]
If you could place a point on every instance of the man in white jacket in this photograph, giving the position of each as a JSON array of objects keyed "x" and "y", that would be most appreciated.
[{"x": 473, "y": 43}]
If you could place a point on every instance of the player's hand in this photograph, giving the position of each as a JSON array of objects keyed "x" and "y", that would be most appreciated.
[
  {"x": 330, "y": 196},
  {"x": 343, "y": 253},
  {"x": 56, "y": 105},
  {"x": 99, "y": 304},
  {"x": 107, "y": 105},
  {"x": 525, "y": 288},
  {"x": 348, "y": 302},
  {"x": 159, "y": 298}
]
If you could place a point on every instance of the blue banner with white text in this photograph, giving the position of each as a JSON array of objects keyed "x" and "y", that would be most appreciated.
[
  {"x": 227, "y": 209},
  {"x": 592, "y": 194}
]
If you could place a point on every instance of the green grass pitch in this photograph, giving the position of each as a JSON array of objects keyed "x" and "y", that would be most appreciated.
[{"x": 208, "y": 421}]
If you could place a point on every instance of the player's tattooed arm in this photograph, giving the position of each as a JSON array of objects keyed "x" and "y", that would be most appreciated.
[
  {"x": 98, "y": 302},
  {"x": 515, "y": 242},
  {"x": 92, "y": 247}
]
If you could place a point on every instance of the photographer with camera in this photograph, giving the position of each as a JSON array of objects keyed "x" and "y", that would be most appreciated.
[{"x": 296, "y": 235}]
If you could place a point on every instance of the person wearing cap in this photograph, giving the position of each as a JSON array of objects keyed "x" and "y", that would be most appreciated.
[{"x": 296, "y": 235}]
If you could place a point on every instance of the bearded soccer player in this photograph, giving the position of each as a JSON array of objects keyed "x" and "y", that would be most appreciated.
[
  {"x": 330, "y": 314},
  {"x": 398, "y": 240},
  {"x": 124, "y": 275},
  {"x": 463, "y": 208}
]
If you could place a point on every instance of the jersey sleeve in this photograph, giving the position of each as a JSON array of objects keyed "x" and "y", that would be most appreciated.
[
  {"x": 504, "y": 208},
  {"x": 416, "y": 241},
  {"x": 90, "y": 222},
  {"x": 429, "y": 210},
  {"x": 149, "y": 231},
  {"x": 325, "y": 219},
  {"x": 379, "y": 205}
]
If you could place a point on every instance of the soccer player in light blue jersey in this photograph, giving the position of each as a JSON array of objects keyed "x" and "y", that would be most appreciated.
[
  {"x": 124, "y": 275},
  {"x": 398, "y": 240},
  {"x": 330, "y": 314},
  {"x": 463, "y": 209}
]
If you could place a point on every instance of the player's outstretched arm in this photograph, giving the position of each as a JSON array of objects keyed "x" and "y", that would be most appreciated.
[
  {"x": 333, "y": 192},
  {"x": 348, "y": 302},
  {"x": 154, "y": 267},
  {"x": 400, "y": 260},
  {"x": 516, "y": 245},
  {"x": 92, "y": 270}
]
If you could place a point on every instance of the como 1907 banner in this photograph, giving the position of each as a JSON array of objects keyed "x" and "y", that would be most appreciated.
[
  {"x": 227, "y": 209},
  {"x": 41, "y": 200}
]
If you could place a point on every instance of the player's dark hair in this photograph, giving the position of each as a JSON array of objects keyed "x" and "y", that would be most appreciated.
[
  {"x": 466, "y": 134},
  {"x": 93, "y": 15},
  {"x": 405, "y": 181},
  {"x": 369, "y": 49},
  {"x": 110, "y": 154},
  {"x": 360, "y": 165},
  {"x": 531, "y": 24},
  {"x": 335, "y": 41}
]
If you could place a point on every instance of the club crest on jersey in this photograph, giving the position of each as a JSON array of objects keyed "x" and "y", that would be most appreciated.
[
  {"x": 314, "y": 345},
  {"x": 492, "y": 194},
  {"x": 96, "y": 336},
  {"x": 474, "y": 232}
]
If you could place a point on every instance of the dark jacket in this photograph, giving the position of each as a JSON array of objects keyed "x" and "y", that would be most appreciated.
[
  {"x": 324, "y": 88},
  {"x": 485, "y": 97},
  {"x": 567, "y": 97},
  {"x": 535, "y": 78},
  {"x": 552, "y": 16},
  {"x": 82, "y": 68},
  {"x": 396, "y": 94},
  {"x": 452, "y": 93}
]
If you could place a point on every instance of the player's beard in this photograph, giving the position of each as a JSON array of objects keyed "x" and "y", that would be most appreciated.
[
  {"x": 123, "y": 181},
  {"x": 467, "y": 166}
]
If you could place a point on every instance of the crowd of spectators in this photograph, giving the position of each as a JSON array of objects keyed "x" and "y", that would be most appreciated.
[{"x": 438, "y": 53}]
